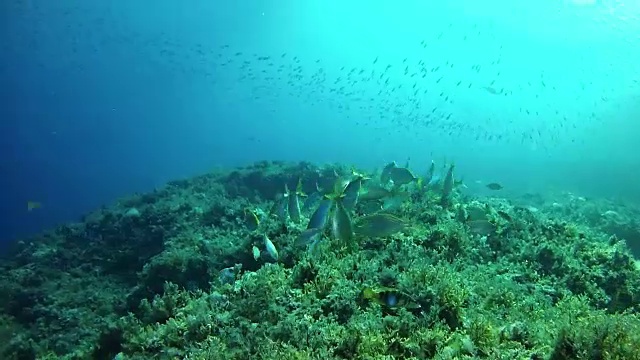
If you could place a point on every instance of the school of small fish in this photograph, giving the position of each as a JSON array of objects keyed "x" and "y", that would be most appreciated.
[
  {"x": 421, "y": 89},
  {"x": 414, "y": 93}
]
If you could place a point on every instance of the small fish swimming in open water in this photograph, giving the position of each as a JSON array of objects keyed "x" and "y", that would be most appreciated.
[
  {"x": 31, "y": 205},
  {"x": 494, "y": 186}
]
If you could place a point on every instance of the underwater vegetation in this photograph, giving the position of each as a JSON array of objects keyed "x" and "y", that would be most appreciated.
[{"x": 298, "y": 261}]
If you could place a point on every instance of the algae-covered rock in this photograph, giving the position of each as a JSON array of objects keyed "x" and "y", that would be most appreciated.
[{"x": 178, "y": 273}]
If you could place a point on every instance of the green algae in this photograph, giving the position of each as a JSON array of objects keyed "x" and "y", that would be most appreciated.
[{"x": 547, "y": 283}]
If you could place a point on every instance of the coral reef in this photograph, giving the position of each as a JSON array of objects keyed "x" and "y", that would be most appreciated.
[{"x": 171, "y": 275}]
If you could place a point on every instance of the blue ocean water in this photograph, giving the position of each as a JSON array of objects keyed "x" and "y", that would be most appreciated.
[{"x": 104, "y": 99}]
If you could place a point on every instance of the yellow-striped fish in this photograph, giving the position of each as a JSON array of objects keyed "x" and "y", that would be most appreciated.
[
  {"x": 341, "y": 225},
  {"x": 251, "y": 220}
]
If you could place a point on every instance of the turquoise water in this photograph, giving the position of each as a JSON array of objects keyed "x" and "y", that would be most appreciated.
[
  {"x": 168, "y": 151},
  {"x": 105, "y": 99}
]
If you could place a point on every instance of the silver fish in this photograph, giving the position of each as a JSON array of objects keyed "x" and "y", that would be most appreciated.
[
  {"x": 313, "y": 247},
  {"x": 379, "y": 225},
  {"x": 312, "y": 199},
  {"x": 294, "y": 206},
  {"x": 481, "y": 227},
  {"x": 319, "y": 217},
  {"x": 385, "y": 176},
  {"x": 395, "y": 201},
  {"x": 308, "y": 236},
  {"x": 430, "y": 172},
  {"x": 369, "y": 207},
  {"x": 447, "y": 187},
  {"x": 351, "y": 193},
  {"x": 401, "y": 176},
  {"x": 435, "y": 180},
  {"x": 270, "y": 248},
  {"x": 476, "y": 212},
  {"x": 251, "y": 220},
  {"x": 255, "y": 252},
  {"x": 279, "y": 207},
  {"x": 373, "y": 192},
  {"x": 341, "y": 225}
]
